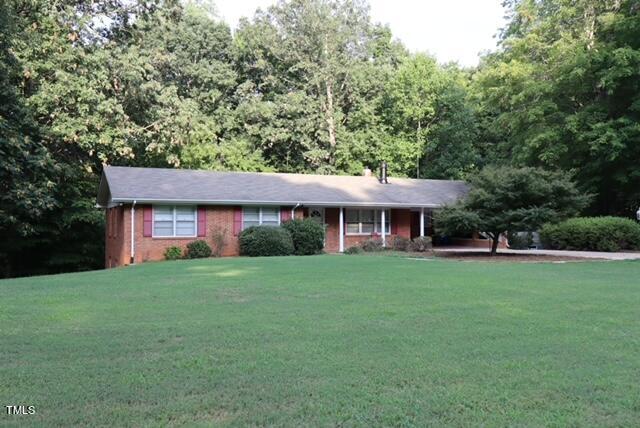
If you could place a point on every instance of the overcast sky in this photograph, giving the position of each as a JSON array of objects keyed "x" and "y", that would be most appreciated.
[{"x": 452, "y": 30}]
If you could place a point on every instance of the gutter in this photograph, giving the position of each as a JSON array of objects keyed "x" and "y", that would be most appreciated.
[{"x": 277, "y": 203}]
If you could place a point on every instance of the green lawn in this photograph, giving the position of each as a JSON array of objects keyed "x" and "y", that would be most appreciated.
[{"x": 325, "y": 340}]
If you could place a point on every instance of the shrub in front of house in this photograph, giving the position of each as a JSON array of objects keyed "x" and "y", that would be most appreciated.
[
  {"x": 354, "y": 250},
  {"x": 198, "y": 249},
  {"x": 372, "y": 245},
  {"x": 307, "y": 236},
  {"x": 421, "y": 244},
  {"x": 219, "y": 241},
  {"x": 258, "y": 241},
  {"x": 173, "y": 253},
  {"x": 592, "y": 234},
  {"x": 400, "y": 243}
]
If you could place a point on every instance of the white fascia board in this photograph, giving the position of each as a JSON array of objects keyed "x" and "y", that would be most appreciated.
[{"x": 274, "y": 203}]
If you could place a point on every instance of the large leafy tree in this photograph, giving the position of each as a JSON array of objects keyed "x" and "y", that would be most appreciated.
[
  {"x": 308, "y": 68},
  {"x": 507, "y": 199},
  {"x": 27, "y": 170},
  {"x": 59, "y": 123},
  {"x": 87, "y": 83},
  {"x": 365, "y": 135},
  {"x": 564, "y": 92},
  {"x": 173, "y": 76},
  {"x": 429, "y": 120}
]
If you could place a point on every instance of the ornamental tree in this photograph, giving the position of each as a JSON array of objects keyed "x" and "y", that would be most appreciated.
[{"x": 503, "y": 199}]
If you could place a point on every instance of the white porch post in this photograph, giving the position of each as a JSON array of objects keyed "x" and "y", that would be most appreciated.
[
  {"x": 133, "y": 232},
  {"x": 384, "y": 232},
  {"x": 422, "y": 221},
  {"x": 341, "y": 229}
]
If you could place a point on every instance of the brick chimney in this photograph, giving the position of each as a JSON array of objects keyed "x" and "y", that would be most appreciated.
[{"x": 383, "y": 173}]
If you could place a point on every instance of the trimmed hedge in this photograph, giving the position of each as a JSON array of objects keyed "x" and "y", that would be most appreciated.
[
  {"x": 592, "y": 234},
  {"x": 198, "y": 249},
  {"x": 307, "y": 236},
  {"x": 258, "y": 241}
]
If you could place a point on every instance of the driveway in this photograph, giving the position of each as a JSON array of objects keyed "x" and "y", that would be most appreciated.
[{"x": 583, "y": 254}]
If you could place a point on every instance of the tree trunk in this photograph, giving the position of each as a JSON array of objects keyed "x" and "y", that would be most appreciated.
[
  {"x": 328, "y": 105},
  {"x": 419, "y": 152},
  {"x": 494, "y": 244},
  {"x": 331, "y": 126}
]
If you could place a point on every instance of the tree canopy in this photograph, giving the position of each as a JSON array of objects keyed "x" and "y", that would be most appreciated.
[
  {"x": 508, "y": 199},
  {"x": 563, "y": 92},
  {"x": 302, "y": 86}
]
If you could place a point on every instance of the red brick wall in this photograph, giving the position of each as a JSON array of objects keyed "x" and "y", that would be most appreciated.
[
  {"x": 118, "y": 248},
  {"x": 115, "y": 254},
  {"x": 402, "y": 219},
  {"x": 476, "y": 242},
  {"x": 331, "y": 219},
  {"x": 219, "y": 218}
]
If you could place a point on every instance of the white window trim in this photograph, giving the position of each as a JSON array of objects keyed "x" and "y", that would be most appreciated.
[
  {"x": 278, "y": 210},
  {"x": 376, "y": 226},
  {"x": 173, "y": 210}
]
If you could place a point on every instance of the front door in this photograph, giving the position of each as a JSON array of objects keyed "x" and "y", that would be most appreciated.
[{"x": 317, "y": 214}]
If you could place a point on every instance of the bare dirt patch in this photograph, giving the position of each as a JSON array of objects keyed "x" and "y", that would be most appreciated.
[{"x": 475, "y": 256}]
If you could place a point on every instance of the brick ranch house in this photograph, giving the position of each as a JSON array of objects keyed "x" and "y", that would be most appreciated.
[{"x": 150, "y": 209}]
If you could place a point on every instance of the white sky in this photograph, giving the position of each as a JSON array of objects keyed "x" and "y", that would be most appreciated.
[{"x": 452, "y": 30}]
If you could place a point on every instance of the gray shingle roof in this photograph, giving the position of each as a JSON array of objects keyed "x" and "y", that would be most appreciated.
[{"x": 126, "y": 184}]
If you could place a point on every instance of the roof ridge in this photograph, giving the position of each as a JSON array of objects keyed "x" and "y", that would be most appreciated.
[{"x": 207, "y": 171}]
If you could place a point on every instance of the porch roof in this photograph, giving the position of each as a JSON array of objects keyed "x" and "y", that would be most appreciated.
[{"x": 181, "y": 186}]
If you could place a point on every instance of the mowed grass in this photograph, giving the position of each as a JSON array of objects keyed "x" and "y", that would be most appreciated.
[{"x": 325, "y": 340}]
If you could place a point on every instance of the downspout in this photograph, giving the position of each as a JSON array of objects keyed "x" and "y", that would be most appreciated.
[
  {"x": 133, "y": 228},
  {"x": 293, "y": 211}
]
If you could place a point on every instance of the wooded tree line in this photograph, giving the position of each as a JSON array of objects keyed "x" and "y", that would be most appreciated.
[{"x": 305, "y": 86}]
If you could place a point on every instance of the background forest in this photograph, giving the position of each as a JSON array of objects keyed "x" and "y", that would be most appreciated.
[{"x": 305, "y": 86}]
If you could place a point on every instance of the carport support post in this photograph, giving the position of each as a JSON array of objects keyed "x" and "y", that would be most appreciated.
[
  {"x": 384, "y": 231},
  {"x": 341, "y": 230},
  {"x": 421, "y": 221}
]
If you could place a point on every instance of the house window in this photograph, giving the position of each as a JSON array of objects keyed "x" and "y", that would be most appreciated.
[
  {"x": 255, "y": 216},
  {"x": 174, "y": 221},
  {"x": 366, "y": 222}
]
